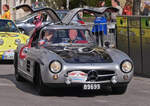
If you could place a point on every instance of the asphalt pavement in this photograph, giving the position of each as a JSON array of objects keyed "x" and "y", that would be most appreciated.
[{"x": 13, "y": 93}]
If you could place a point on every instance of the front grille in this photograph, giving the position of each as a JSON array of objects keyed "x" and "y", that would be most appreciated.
[
  {"x": 102, "y": 75},
  {"x": 104, "y": 72}
]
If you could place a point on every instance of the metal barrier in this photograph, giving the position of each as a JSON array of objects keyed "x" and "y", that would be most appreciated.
[{"x": 133, "y": 37}]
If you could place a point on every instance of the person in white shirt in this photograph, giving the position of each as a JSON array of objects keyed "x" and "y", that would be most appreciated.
[{"x": 115, "y": 3}]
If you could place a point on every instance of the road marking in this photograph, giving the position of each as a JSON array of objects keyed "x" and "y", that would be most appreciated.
[
  {"x": 145, "y": 91},
  {"x": 6, "y": 84},
  {"x": 102, "y": 101}
]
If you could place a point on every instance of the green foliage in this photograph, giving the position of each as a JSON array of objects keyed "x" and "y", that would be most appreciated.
[
  {"x": 74, "y": 3},
  {"x": 108, "y": 3},
  {"x": 92, "y": 2}
]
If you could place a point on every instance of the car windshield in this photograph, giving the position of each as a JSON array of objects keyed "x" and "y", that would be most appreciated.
[
  {"x": 66, "y": 36},
  {"x": 8, "y": 26},
  {"x": 61, "y": 13},
  {"x": 26, "y": 17}
]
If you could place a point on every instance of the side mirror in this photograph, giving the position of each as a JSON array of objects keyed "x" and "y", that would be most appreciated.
[
  {"x": 25, "y": 50},
  {"x": 107, "y": 44}
]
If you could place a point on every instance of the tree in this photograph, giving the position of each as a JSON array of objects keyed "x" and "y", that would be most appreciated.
[
  {"x": 108, "y": 2},
  {"x": 91, "y": 3}
]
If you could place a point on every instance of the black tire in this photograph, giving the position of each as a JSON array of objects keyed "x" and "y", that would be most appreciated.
[
  {"x": 41, "y": 88},
  {"x": 119, "y": 89},
  {"x": 17, "y": 75}
]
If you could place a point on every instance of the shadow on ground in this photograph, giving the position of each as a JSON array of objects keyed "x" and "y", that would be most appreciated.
[
  {"x": 28, "y": 87},
  {"x": 6, "y": 62}
]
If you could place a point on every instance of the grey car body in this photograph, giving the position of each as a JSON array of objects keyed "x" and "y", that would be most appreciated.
[
  {"x": 62, "y": 63},
  {"x": 25, "y": 24},
  {"x": 100, "y": 65}
]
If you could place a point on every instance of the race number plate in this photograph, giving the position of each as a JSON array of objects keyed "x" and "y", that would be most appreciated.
[{"x": 91, "y": 86}]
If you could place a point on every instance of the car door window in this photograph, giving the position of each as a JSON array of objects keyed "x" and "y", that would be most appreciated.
[
  {"x": 34, "y": 42},
  {"x": 30, "y": 21}
]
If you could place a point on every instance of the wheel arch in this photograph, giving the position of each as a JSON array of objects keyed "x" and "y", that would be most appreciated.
[
  {"x": 15, "y": 61},
  {"x": 36, "y": 70}
]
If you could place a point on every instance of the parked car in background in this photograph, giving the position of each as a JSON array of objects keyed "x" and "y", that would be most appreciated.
[
  {"x": 60, "y": 55},
  {"x": 10, "y": 37},
  {"x": 76, "y": 20},
  {"x": 61, "y": 13},
  {"x": 26, "y": 23}
]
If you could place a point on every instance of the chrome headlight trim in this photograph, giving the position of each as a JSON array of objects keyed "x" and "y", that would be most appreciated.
[
  {"x": 17, "y": 41},
  {"x": 1, "y": 41},
  {"x": 55, "y": 66},
  {"x": 126, "y": 66}
]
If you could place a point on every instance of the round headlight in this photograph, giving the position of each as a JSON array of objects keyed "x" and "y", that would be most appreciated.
[
  {"x": 1, "y": 41},
  {"x": 55, "y": 66},
  {"x": 126, "y": 66},
  {"x": 17, "y": 41}
]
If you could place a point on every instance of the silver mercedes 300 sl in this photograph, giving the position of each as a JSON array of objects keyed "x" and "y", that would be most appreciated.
[{"x": 67, "y": 56}]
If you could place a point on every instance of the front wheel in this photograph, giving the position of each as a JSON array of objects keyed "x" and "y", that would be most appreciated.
[
  {"x": 41, "y": 88},
  {"x": 119, "y": 89}
]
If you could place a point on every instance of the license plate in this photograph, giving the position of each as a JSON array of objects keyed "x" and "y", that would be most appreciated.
[
  {"x": 91, "y": 86},
  {"x": 8, "y": 55}
]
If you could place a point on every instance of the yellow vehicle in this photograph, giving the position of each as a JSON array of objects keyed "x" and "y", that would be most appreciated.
[{"x": 10, "y": 37}]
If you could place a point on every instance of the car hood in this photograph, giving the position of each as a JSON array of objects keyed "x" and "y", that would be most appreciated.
[
  {"x": 9, "y": 40},
  {"x": 83, "y": 55},
  {"x": 12, "y": 34},
  {"x": 18, "y": 22}
]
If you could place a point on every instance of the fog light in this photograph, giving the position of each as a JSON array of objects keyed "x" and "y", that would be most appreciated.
[
  {"x": 125, "y": 77},
  {"x": 55, "y": 77},
  {"x": 68, "y": 81},
  {"x": 114, "y": 79}
]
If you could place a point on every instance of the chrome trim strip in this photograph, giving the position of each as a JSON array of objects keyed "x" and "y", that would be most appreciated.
[
  {"x": 25, "y": 73},
  {"x": 107, "y": 75}
]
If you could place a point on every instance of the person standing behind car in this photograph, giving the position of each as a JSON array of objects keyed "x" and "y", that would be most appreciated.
[
  {"x": 127, "y": 10},
  {"x": 38, "y": 20},
  {"x": 100, "y": 26},
  {"x": 101, "y": 4},
  {"x": 146, "y": 10},
  {"x": 6, "y": 14},
  {"x": 115, "y": 4}
]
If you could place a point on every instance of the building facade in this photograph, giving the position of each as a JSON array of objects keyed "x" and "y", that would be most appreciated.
[{"x": 12, "y": 4}]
